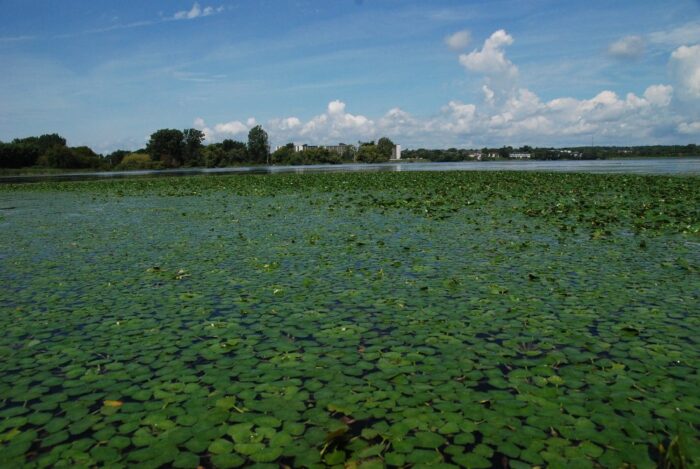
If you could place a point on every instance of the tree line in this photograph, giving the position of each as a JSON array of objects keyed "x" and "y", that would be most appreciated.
[
  {"x": 173, "y": 148},
  {"x": 549, "y": 153}
]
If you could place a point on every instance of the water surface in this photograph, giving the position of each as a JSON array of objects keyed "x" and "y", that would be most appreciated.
[{"x": 650, "y": 166}]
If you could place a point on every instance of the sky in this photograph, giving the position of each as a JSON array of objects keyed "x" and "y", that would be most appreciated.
[{"x": 433, "y": 74}]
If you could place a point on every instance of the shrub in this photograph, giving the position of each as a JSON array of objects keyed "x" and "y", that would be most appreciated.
[{"x": 136, "y": 161}]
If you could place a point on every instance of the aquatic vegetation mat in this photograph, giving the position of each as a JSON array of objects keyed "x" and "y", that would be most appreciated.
[{"x": 351, "y": 320}]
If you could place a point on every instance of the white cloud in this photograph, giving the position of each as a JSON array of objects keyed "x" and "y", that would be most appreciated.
[
  {"x": 523, "y": 118},
  {"x": 231, "y": 128},
  {"x": 335, "y": 123},
  {"x": 459, "y": 40},
  {"x": 336, "y": 107},
  {"x": 628, "y": 47},
  {"x": 689, "y": 128},
  {"x": 689, "y": 33},
  {"x": 234, "y": 128},
  {"x": 491, "y": 59},
  {"x": 488, "y": 94},
  {"x": 686, "y": 65},
  {"x": 285, "y": 124},
  {"x": 509, "y": 114},
  {"x": 196, "y": 12},
  {"x": 659, "y": 95},
  {"x": 399, "y": 122}
]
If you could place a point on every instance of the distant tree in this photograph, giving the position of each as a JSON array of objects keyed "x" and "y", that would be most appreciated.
[
  {"x": 213, "y": 155},
  {"x": 385, "y": 147},
  {"x": 258, "y": 148},
  {"x": 192, "y": 147},
  {"x": 283, "y": 155},
  {"x": 117, "y": 156},
  {"x": 227, "y": 153},
  {"x": 18, "y": 155},
  {"x": 136, "y": 161},
  {"x": 44, "y": 142},
  {"x": 348, "y": 153},
  {"x": 317, "y": 156},
  {"x": 235, "y": 152},
  {"x": 167, "y": 145},
  {"x": 369, "y": 153}
]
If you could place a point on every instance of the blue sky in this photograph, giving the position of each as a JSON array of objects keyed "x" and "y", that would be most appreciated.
[{"x": 425, "y": 73}]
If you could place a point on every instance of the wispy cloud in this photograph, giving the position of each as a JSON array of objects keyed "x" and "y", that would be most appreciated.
[
  {"x": 459, "y": 40},
  {"x": 7, "y": 39},
  {"x": 198, "y": 77},
  {"x": 114, "y": 27},
  {"x": 628, "y": 47},
  {"x": 686, "y": 34},
  {"x": 197, "y": 12}
]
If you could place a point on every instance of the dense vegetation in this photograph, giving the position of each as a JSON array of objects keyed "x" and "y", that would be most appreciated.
[
  {"x": 584, "y": 153},
  {"x": 48, "y": 151},
  {"x": 172, "y": 148},
  {"x": 358, "y": 320}
]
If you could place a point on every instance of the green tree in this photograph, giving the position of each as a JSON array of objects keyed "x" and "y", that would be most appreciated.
[
  {"x": 43, "y": 143},
  {"x": 18, "y": 155},
  {"x": 385, "y": 147},
  {"x": 283, "y": 155},
  {"x": 136, "y": 161},
  {"x": 117, "y": 156},
  {"x": 192, "y": 147},
  {"x": 167, "y": 145},
  {"x": 369, "y": 153},
  {"x": 213, "y": 155},
  {"x": 235, "y": 152},
  {"x": 258, "y": 148}
]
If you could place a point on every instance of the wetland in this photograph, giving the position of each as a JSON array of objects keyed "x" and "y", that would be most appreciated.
[{"x": 386, "y": 319}]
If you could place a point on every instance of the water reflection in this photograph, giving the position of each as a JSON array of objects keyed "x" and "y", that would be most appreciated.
[{"x": 662, "y": 166}]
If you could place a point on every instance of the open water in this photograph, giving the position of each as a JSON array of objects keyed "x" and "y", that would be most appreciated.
[{"x": 657, "y": 166}]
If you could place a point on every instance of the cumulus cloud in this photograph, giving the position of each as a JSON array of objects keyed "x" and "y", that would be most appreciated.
[
  {"x": 196, "y": 12},
  {"x": 220, "y": 131},
  {"x": 523, "y": 118},
  {"x": 689, "y": 128},
  {"x": 285, "y": 124},
  {"x": 336, "y": 123},
  {"x": 231, "y": 128},
  {"x": 459, "y": 40},
  {"x": 685, "y": 61},
  {"x": 628, "y": 47},
  {"x": 508, "y": 114},
  {"x": 491, "y": 59},
  {"x": 659, "y": 95}
]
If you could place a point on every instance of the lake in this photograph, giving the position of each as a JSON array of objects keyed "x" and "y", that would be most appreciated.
[
  {"x": 657, "y": 166},
  {"x": 357, "y": 319}
]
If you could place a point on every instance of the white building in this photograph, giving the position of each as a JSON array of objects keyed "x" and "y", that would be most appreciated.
[
  {"x": 396, "y": 152},
  {"x": 520, "y": 156}
]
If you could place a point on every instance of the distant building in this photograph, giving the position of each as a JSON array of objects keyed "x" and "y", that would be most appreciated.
[
  {"x": 396, "y": 152},
  {"x": 520, "y": 156}
]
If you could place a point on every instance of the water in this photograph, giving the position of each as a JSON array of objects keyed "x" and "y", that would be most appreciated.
[{"x": 651, "y": 166}]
